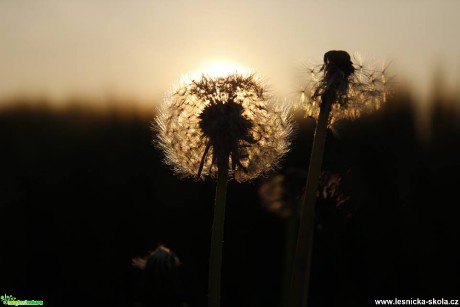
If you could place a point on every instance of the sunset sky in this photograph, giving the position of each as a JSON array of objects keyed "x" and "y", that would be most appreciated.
[{"x": 138, "y": 49}]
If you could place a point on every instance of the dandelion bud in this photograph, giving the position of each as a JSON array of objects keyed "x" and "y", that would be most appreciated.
[{"x": 161, "y": 281}]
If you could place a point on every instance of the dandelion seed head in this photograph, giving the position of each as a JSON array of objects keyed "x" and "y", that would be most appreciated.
[
  {"x": 365, "y": 88},
  {"x": 207, "y": 120}
]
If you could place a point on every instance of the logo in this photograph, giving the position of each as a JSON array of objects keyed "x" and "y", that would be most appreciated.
[{"x": 10, "y": 300}]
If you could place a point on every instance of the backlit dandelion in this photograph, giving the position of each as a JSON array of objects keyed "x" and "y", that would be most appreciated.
[
  {"x": 221, "y": 126},
  {"x": 209, "y": 120},
  {"x": 365, "y": 90},
  {"x": 338, "y": 89}
]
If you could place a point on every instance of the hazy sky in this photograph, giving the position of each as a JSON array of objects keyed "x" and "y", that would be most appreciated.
[{"x": 139, "y": 48}]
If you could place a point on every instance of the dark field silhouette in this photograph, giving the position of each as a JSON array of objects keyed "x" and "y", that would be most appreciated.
[{"x": 84, "y": 192}]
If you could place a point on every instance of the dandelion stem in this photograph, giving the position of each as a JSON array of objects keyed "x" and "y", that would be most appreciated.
[
  {"x": 302, "y": 260},
  {"x": 289, "y": 251},
  {"x": 217, "y": 237}
]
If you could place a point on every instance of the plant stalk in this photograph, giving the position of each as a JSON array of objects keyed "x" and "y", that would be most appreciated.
[
  {"x": 217, "y": 237},
  {"x": 289, "y": 251},
  {"x": 300, "y": 280}
]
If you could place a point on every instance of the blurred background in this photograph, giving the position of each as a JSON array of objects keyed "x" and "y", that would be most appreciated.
[{"x": 83, "y": 190}]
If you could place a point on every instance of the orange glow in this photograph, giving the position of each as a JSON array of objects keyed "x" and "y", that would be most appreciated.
[{"x": 216, "y": 69}]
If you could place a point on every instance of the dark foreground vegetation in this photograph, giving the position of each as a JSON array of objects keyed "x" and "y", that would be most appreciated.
[{"x": 82, "y": 193}]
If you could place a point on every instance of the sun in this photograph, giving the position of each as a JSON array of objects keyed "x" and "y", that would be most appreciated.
[
  {"x": 213, "y": 70},
  {"x": 223, "y": 68},
  {"x": 216, "y": 69}
]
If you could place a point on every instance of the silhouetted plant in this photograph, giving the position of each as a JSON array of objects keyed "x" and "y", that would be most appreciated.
[
  {"x": 365, "y": 90},
  {"x": 337, "y": 90},
  {"x": 161, "y": 283},
  {"x": 220, "y": 126},
  {"x": 281, "y": 195}
]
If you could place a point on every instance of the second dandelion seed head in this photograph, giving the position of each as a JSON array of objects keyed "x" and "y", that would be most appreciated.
[{"x": 356, "y": 88}]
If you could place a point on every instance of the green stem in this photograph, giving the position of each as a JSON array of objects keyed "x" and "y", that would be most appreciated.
[
  {"x": 217, "y": 237},
  {"x": 302, "y": 261}
]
